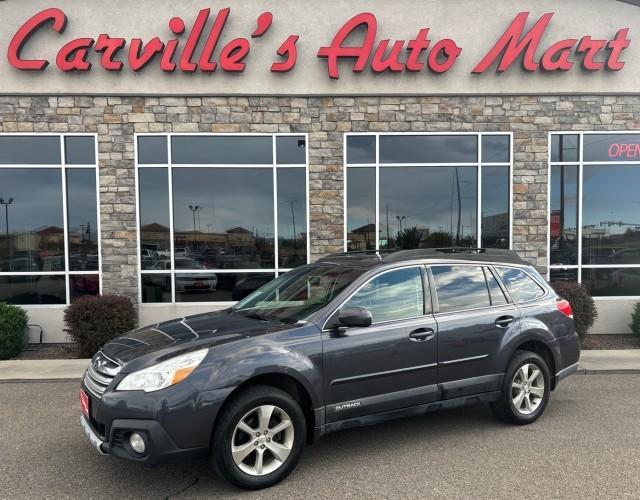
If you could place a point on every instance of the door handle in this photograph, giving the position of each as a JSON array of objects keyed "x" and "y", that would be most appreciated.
[
  {"x": 504, "y": 321},
  {"x": 422, "y": 334}
]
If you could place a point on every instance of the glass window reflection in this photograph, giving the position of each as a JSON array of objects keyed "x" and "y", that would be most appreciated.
[
  {"x": 222, "y": 150},
  {"x": 563, "y": 220},
  {"x": 392, "y": 296},
  {"x": 612, "y": 282},
  {"x": 33, "y": 290},
  {"x": 80, "y": 150},
  {"x": 611, "y": 214},
  {"x": 84, "y": 285},
  {"x": 220, "y": 287},
  {"x": 153, "y": 150},
  {"x": 460, "y": 288},
  {"x": 564, "y": 148},
  {"x": 33, "y": 239},
  {"x": 292, "y": 217},
  {"x": 155, "y": 244},
  {"x": 428, "y": 207},
  {"x": 361, "y": 209},
  {"x": 223, "y": 217},
  {"x": 29, "y": 150},
  {"x": 156, "y": 288},
  {"x": 496, "y": 148},
  {"x": 428, "y": 149},
  {"x": 495, "y": 207},
  {"x": 291, "y": 150},
  {"x": 82, "y": 220},
  {"x": 612, "y": 147},
  {"x": 520, "y": 285},
  {"x": 361, "y": 149}
]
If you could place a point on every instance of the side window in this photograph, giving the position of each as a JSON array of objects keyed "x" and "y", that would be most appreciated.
[
  {"x": 392, "y": 296},
  {"x": 460, "y": 287},
  {"x": 497, "y": 296},
  {"x": 519, "y": 284}
]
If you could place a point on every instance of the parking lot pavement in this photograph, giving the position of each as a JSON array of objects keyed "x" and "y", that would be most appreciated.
[{"x": 586, "y": 445}]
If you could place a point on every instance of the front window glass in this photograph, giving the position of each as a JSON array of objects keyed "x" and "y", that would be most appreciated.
[
  {"x": 392, "y": 296},
  {"x": 299, "y": 293},
  {"x": 460, "y": 288}
]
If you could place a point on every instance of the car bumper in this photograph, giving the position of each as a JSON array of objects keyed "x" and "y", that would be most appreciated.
[{"x": 173, "y": 425}]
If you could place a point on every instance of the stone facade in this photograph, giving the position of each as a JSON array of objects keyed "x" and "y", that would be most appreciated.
[{"x": 116, "y": 119}]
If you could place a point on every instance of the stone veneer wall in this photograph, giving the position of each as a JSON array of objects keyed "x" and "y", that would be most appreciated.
[{"x": 326, "y": 119}]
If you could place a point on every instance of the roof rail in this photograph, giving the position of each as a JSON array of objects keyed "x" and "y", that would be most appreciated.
[
  {"x": 356, "y": 254},
  {"x": 457, "y": 253}
]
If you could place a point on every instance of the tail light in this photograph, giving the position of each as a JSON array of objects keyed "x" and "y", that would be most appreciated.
[{"x": 564, "y": 307}]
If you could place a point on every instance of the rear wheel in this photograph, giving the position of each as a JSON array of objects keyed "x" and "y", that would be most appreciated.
[
  {"x": 259, "y": 438},
  {"x": 525, "y": 390}
]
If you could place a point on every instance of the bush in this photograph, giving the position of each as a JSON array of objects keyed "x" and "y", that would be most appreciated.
[
  {"x": 582, "y": 304},
  {"x": 635, "y": 320},
  {"x": 93, "y": 321},
  {"x": 13, "y": 322}
]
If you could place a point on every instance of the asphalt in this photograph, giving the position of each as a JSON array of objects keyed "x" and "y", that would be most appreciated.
[{"x": 586, "y": 445}]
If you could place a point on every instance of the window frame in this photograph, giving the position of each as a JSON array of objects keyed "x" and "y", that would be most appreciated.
[
  {"x": 63, "y": 167},
  {"x": 276, "y": 270},
  {"x": 478, "y": 165},
  {"x": 581, "y": 163}
]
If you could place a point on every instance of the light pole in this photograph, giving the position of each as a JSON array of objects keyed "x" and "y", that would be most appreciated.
[
  {"x": 293, "y": 220},
  {"x": 194, "y": 210},
  {"x": 6, "y": 219}
]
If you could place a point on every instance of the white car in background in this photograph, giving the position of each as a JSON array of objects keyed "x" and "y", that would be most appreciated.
[{"x": 189, "y": 282}]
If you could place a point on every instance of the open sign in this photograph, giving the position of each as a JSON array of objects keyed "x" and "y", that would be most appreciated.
[{"x": 624, "y": 150}]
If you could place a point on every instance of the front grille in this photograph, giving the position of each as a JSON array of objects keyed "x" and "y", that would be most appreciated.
[{"x": 100, "y": 373}]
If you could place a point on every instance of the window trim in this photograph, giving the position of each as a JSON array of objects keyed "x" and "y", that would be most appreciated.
[
  {"x": 581, "y": 164},
  {"x": 376, "y": 165},
  {"x": 63, "y": 167},
  {"x": 276, "y": 270}
]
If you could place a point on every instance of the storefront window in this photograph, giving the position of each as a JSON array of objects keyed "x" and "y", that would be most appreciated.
[
  {"x": 47, "y": 255},
  {"x": 425, "y": 190},
  {"x": 223, "y": 217},
  {"x": 595, "y": 216}
]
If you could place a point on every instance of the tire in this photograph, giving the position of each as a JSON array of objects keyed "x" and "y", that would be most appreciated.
[
  {"x": 522, "y": 406},
  {"x": 249, "y": 410}
]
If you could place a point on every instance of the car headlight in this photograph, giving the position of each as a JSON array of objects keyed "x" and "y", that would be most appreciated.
[{"x": 163, "y": 374}]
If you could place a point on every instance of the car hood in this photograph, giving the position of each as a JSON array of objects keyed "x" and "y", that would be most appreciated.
[{"x": 206, "y": 330}]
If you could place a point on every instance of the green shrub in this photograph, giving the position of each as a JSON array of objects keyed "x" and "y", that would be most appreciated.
[
  {"x": 13, "y": 322},
  {"x": 93, "y": 321},
  {"x": 582, "y": 304},
  {"x": 635, "y": 320}
]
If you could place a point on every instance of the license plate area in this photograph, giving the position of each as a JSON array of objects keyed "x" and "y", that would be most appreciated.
[{"x": 85, "y": 403}]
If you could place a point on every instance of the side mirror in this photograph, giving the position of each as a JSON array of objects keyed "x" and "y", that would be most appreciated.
[{"x": 358, "y": 317}]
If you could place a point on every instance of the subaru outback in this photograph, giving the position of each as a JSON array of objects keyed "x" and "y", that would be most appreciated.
[{"x": 353, "y": 339}]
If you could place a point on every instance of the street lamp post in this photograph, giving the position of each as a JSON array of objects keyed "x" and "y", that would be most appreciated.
[
  {"x": 194, "y": 210},
  {"x": 6, "y": 219}
]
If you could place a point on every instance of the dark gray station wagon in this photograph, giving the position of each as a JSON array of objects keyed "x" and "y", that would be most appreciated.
[{"x": 353, "y": 339}]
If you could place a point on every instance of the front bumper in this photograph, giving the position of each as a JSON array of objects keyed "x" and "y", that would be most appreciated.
[{"x": 176, "y": 423}]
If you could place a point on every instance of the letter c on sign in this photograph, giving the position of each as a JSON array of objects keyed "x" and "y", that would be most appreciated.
[{"x": 59, "y": 20}]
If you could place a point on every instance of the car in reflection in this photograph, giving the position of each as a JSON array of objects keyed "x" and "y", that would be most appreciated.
[
  {"x": 181, "y": 251},
  {"x": 190, "y": 282},
  {"x": 23, "y": 264}
]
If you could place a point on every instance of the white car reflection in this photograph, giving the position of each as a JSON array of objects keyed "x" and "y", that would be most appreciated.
[{"x": 190, "y": 282}]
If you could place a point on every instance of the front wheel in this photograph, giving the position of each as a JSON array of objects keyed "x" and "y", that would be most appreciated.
[
  {"x": 259, "y": 438},
  {"x": 525, "y": 389}
]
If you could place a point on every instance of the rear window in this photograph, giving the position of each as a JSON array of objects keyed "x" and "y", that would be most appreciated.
[
  {"x": 520, "y": 285},
  {"x": 460, "y": 287}
]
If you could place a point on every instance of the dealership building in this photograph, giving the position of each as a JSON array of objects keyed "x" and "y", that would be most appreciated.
[{"x": 185, "y": 153}]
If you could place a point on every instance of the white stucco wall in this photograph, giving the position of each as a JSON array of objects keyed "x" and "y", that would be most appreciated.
[{"x": 474, "y": 24}]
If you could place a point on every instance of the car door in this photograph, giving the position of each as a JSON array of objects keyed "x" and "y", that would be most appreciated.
[
  {"x": 473, "y": 316},
  {"x": 390, "y": 364}
]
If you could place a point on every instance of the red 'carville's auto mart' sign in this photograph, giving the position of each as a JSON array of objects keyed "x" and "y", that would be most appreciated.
[{"x": 197, "y": 48}]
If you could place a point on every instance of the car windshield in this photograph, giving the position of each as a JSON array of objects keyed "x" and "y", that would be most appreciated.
[{"x": 297, "y": 294}]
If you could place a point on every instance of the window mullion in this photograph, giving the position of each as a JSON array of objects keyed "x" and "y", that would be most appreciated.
[{"x": 65, "y": 219}]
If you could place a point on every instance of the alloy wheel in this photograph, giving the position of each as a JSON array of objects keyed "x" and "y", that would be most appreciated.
[
  {"x": 262, "y": 440},
  {"x": 527, "y": 389}
]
